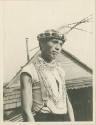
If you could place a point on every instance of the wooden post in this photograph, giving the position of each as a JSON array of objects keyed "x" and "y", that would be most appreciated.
[{"x": 27, "y": 51}]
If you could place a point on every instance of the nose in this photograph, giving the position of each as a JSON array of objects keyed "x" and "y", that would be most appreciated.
[{"x": 57, "y": 47}]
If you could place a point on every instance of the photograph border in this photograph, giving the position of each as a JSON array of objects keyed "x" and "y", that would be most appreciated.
[{"x": 2, "y": 72}]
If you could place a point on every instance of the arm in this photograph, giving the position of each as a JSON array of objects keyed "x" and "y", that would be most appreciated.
[
  {"x": 26, "y": 95},
  {"x": 70, "y": 110}
]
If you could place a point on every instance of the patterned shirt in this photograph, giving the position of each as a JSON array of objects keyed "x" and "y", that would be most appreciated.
[{"x": 48, "y": 86}]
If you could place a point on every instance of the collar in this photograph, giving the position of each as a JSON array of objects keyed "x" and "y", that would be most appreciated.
[{"x": 44, "y": 64}]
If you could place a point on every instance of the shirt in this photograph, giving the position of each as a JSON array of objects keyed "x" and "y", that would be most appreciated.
[{"x": 53, "y": 82}]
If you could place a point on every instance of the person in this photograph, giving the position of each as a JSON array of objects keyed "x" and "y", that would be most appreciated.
[{"x": 43, "y": 89}]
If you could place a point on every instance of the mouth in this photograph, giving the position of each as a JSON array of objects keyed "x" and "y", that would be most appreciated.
[{"x": 55, "y": 53}]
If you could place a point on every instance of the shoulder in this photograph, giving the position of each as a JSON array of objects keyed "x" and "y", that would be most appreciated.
[{"x": 30, "y": 70}]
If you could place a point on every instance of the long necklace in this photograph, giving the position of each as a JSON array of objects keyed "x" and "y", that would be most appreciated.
[{"x": 44, "y": 65}]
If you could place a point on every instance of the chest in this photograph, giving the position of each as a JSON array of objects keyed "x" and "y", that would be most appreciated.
[{"x": 49, "y": 80}]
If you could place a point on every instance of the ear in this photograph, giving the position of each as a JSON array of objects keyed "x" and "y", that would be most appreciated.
[{"x": 41, "y": 44}]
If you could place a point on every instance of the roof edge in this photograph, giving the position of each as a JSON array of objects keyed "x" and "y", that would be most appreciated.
[{"x": 76, "y": 60}]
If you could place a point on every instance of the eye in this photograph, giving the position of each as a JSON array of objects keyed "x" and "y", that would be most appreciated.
[
  {"x": 55, "y": 41},
  {"x": 61, "y": 44}
]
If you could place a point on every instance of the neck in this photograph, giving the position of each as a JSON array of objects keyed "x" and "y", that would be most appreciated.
[{"x": 47, "y": 59}]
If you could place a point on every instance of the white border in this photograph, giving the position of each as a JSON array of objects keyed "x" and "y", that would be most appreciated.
[
  {"x": 1, "y": 61},
  {"x": 28, "y": 123}
]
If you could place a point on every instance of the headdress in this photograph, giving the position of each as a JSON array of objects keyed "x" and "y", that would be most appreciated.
[{"x": 50, "y": 34}]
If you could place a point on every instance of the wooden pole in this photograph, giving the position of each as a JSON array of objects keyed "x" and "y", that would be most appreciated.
[{"x": 27, "y": 51}]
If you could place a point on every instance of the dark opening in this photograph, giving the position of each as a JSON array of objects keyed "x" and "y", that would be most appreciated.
[{"x": 82, "y": 103}]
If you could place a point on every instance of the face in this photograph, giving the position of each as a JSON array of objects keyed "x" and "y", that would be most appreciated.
[{"x": 51, "y": 49}]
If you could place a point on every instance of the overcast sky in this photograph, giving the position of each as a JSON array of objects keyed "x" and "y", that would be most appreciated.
[{"x": 28, "y": 18}]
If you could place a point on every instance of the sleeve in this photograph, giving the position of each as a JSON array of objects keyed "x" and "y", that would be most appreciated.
[
  {"x": 30, "y": 69},
  {"x": 27, "y": 69}
]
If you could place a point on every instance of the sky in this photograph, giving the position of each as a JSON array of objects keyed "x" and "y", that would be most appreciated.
[{"x": 25, "y": 19}]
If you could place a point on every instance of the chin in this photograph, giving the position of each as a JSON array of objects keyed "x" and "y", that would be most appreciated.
[{"x": 53, "y": 57}]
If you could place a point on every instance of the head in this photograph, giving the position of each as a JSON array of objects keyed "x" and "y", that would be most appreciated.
[{"x": 51, "y": 43}]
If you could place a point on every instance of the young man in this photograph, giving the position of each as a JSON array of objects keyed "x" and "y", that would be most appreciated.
[{"x": 43, "y": 90}]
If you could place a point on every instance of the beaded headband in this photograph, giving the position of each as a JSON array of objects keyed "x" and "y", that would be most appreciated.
[{"x": 51, "y": 34}]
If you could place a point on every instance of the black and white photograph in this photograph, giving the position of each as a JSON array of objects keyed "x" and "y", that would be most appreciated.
[{"x": 48, "y": 61}]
